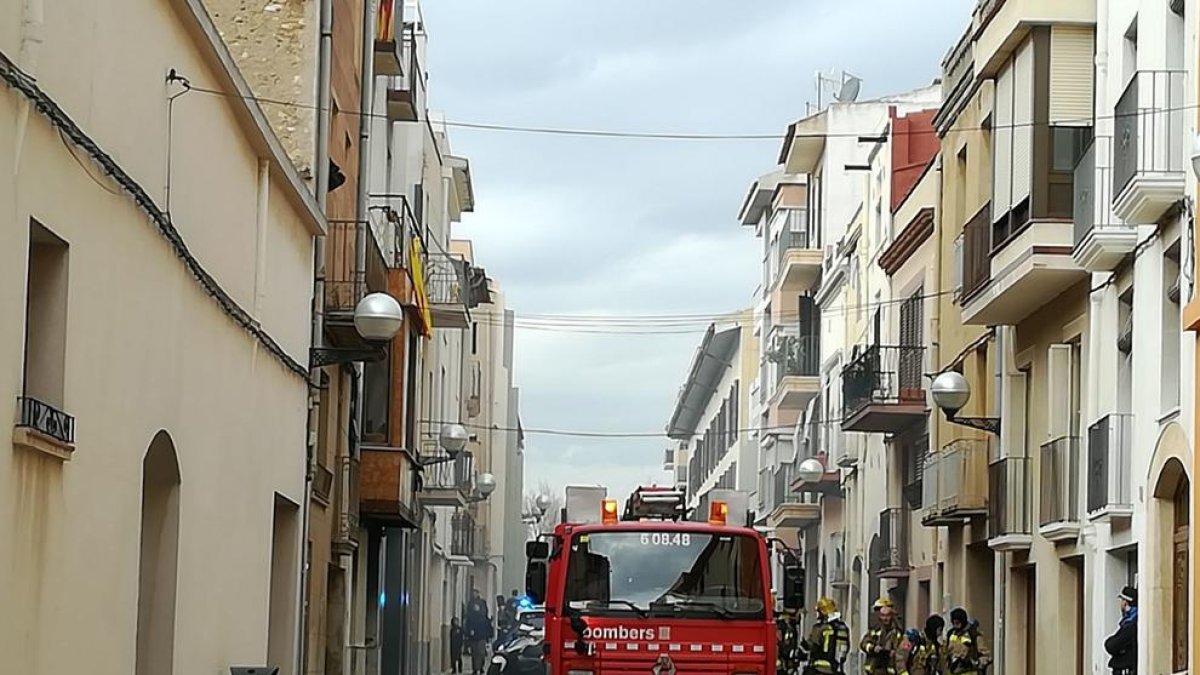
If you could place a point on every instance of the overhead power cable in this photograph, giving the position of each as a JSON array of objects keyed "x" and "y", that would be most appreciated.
[{"x": 695, "y": 136}]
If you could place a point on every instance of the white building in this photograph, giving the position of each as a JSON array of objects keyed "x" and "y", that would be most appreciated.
[{"x": 710, "y": 413}]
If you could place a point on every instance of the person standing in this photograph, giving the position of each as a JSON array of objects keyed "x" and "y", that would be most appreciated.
[
  {"x": 879, "y": 644},
  {"x": 1122, "y": 645},
  {"x": 456, "y": 646},
  {"x": 828, "y": 642},
  {"x": 478, "y": 631},
  {"x": 966, "y": 653}
]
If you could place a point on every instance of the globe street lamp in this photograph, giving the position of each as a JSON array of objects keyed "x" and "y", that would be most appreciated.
[
  {"x": 377, "y": 318},
  {"x": 452, "y": 438},
  {"x": 485, "y": 485},
  {"x": 811, "y": 470},
  {"x": 951, "y": 392}
]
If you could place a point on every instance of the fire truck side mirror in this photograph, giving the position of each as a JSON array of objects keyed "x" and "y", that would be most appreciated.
[
  {"x": 537, "y": 550},
  {"x": 793, "y": 587},
  {"x": 535, "y": 581}
]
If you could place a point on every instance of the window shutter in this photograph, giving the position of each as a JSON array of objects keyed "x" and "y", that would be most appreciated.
[
  {"x": 1002, "y": 143},
  {"x": 1058, "y": 395},
  {"x": 956, "y": 279},
  {"x": 1072, "y": 49},
  {"x": 1022, "y": 132},
  {"x": 1014, "y": 428}
]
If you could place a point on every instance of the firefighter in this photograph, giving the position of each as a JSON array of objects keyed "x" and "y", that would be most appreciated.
[
  {"x": 966, "y": 653},
  {"x": 829, "y": 641},
  {"x": 919, "y": 653},
  {"x": 879, "y": 645}
]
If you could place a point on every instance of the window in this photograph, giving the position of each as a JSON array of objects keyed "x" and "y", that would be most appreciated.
[
  {"x": 377, "y": 399},
  {"x": 1067, "y": 146},
  {"x": 46, "y": 316}
]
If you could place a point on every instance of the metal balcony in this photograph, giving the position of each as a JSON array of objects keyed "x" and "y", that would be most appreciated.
[
  {"x": 1149, "y": 145},
  {"x": 798, "y": 253},
  {"x": 1009, "y": 504},
  {"x": 835, "y": 568},
  {"x": 463, "y": 535},
  {"x": 448, "y": 283},
  {"x": 389, "y": 25},
  {"x": 883, "y": 390},
  {"x": 345, "y": 535},
  {"x": 1110, "y": 451},
  {"x": 1101, "y": 241},
  {"x": 1059, "y": 489},
  {"x": 44, "y": 428},
  {"x": 960, "y": 472},
  {"x": 406, "y": 91},
  {"x": 977, "y": 252},
  {"x": 448, "y": 483},
  {"x": 889, "y": 552},
  {"x": 798, "y": 371},
  {"x": 789, "y": 509}
]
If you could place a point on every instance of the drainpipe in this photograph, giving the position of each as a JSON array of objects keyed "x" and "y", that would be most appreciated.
[
  {"x": 365, "y": 103},
  {"x": 31, "y": 44},
  {"x": 317, "y": 336},
  {"x": 938, "y": 591}
]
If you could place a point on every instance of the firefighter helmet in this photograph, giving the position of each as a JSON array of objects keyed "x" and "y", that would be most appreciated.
[
  {"x": 883, "y": 602},
  {"x": 826, "y": 606}
]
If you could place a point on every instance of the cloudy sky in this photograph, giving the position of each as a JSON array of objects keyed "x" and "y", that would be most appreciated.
[{"x": 620, "y": 227}]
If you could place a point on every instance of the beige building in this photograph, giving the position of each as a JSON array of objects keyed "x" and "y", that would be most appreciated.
[{"x": 158, "y": 277}]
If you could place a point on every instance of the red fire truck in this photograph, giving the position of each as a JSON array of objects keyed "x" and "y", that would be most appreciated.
[{"x": 652, "y": 591}]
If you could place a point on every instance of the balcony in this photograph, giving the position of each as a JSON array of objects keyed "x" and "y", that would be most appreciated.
[
  {"x": 1100, "y": 241},
  {"x": 1109, "y": 483},
  {"x": 1008, "y": 504},
  {"x": 345, "y": 535},
  {"x": 1014, "y": 278},
  {"x": 41, "y": 427},
  {"x": 798, "y": 371},
  {"x": 446, "y": 284},
  {"x": 389, "y": 24},
  {"x": 798, "y": 253},
  {"x": 347, "y": 280},
  {"x": 1149, "y": 145},
  {"x": 447, "y": 483},
  {"x": 889, "y": 552},
  {"x": 322, "y": 484},
  {"x": 464, "y": 535},
  {"x": 956, "y": 483},
  {"x": 828, "y": 485},
  {"x": 388, "y": 485},
  {"x": 406, "y": 91},
  {"x": 1059, "y": 487},
  {"x": 883, "y": 390},
  {"x": 790, "y": 510}
]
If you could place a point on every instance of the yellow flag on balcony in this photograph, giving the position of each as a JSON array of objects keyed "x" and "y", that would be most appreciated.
[{"x": 417, "y": 269}]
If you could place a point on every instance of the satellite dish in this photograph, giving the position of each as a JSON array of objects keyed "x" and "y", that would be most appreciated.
[{"x": 848, "y": 93}]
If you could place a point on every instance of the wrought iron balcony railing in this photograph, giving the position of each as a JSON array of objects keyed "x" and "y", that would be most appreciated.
[
  {"x": 883, "y": 375},
  {"x": 799, "y": 356},
  {"x": 463, "y": 535},
  {"x": 346, "y": 534},
  {"x": 46, "y": 419},
  {"x": 977, "y": 252},
  {"x": 1110, "y": 451},
  {"x": 892, "y": 552}
]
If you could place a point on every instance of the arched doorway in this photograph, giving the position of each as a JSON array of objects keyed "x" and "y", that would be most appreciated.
[
  {"x": 158, "y": 566},
  {"x": 1164, "y": 605}
]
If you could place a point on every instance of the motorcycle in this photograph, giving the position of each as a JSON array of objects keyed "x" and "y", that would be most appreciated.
[{"x": 521, "y": 655}]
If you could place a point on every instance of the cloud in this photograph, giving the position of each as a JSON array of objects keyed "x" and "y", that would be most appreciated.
[{"x": 595, "y": 226}]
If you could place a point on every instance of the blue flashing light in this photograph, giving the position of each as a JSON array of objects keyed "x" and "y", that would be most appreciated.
[
  {"x": 525, "y": 602},
  {"x": 382, "y": 599}
]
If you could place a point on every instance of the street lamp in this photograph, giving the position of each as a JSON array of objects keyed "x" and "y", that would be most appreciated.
[
  {"x": 811, "y": 470},
  {"x": 377, "y": 318},
  {"x": 541, "y": 503},
  {"x": 452, "y": 438},
  {"x": 485, "y": 485},
  {"x": 951, "y": 391}
]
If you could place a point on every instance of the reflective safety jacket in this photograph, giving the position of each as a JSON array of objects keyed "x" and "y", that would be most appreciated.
[
  {"x": 828, "y": 643},
  {"x": 966, "y": 652},
  {"x": 923, "y": 658},
  {"x": 879, "y": 647}
]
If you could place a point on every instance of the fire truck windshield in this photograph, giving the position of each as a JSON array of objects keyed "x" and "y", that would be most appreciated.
[{"x": 665, "y": 573}]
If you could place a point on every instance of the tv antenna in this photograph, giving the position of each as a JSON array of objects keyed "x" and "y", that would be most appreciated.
[{"x": 841, "y": 86}]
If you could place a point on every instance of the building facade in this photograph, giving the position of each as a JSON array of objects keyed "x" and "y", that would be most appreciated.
[{"x": 155, "y": 471}]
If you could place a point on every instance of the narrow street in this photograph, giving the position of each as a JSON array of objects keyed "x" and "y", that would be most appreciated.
[{"x": 339, "y": 337}]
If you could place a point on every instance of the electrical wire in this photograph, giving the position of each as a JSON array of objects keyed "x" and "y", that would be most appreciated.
[{"x": 691, "y": 136}]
